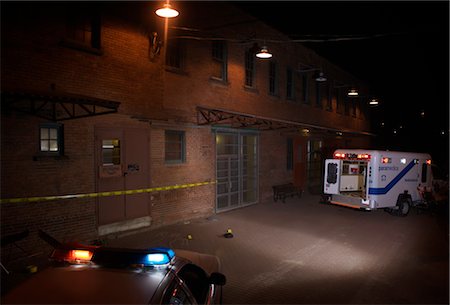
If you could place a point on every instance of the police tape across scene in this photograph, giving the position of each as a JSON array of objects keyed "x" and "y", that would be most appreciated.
[{"x": 106, "y": 194}]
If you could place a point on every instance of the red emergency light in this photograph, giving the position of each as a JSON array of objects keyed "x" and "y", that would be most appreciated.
[{"x": 352, "y": 156}]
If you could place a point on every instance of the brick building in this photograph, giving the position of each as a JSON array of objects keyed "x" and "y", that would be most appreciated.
[{"x": 94, "y": 101}]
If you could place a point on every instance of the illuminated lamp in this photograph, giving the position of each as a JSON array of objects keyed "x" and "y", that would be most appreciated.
[
  {"x": 264, "y": 53},
  {"x": 352, "y": 92},
  {"x": 373, "y": 102},
  {"x": 321, "y": 78},
  {"x": 167, "y": 11}
]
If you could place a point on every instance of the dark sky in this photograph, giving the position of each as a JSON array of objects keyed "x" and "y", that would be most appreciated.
[{"x": 405, "y": 58}]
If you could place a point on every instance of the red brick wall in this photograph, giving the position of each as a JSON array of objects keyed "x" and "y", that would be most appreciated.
[{"x": 34, "y": 59}]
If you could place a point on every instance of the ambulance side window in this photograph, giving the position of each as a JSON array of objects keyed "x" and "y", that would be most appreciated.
[
  {"x": 424, "y": 172},
  {"x": 332, "y": 173}
]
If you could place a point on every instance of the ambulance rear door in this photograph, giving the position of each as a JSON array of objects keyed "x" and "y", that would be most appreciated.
[{"x": 332, "y": 176}]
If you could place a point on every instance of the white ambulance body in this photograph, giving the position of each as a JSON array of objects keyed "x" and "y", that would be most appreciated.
[{"x": 373, "y": 179}]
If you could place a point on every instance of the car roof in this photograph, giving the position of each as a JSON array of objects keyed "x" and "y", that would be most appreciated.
[{"x": 88, "y": 284}]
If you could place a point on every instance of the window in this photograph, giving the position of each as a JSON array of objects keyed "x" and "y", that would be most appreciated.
[
  {"x": 83, "y": 28},
  {"x": 51, "y": 141},
  {"x": 196, "y": 280},
  {"x": 290, "y": 87},
  {"x": 347, "y": 105},
  {"x": 290, "y": 154},
  {"x": 330, "y": 98},
  {"x": 319, "y": 94},
  {"x": 175, "y": 54},
  {"x": 338, "y": 92},
  {"x": 219, "y": 56},
  {"x": 249, "y": 69},
  {"x": 175, "y": 294},
  {"x": 305, "y": 88},
  {"x": 111, "y": 152},
  {"x": 273, "y": 78},
  {"x": 175, "y": 148}
]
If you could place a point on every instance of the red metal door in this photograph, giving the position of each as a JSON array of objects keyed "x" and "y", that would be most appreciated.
[
  {"x": 122, "y": 164},
  {"x": 136, "y": 172}
]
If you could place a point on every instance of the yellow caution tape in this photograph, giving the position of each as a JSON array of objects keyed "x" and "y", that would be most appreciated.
[{"x": 106, "y": 194}]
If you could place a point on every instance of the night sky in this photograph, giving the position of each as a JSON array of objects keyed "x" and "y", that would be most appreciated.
[{"x": 403, "y": 56}]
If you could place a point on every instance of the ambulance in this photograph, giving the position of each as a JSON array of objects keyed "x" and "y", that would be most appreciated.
[{"x": 375, "y": 179}]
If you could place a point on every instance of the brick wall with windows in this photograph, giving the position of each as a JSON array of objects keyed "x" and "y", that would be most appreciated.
[{"x": 152, "y": 95}]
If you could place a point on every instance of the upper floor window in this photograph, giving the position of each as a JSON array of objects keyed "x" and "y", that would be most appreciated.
[
  {"x": 339, "y": 100},
  {"x": 290, "y": 85},
  {"x": 305, "y": 88},
  {"x": 330, "y": 98},
  {"x": 273, "y": 78},
  {"x": 51, "y": 139},
  {"x": 347, "y": 105},
  {"x": 83, "y": 28},
  {"x": 175, "y": 54},
  {"x": 249, "y": 69},
  {"x": 319, "y": 88},
  {"x": 175, "y": 146},
  {"x": 220, "y": 59}
]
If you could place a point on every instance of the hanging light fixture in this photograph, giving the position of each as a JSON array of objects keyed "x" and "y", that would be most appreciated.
[
  {"x": 373, "y": 102},
  {"x": 167, "y": 11},
  {"x": 321, "y": 78},
  {"x": 352, "y": 92},
  {"x": 264, "y": 53}
]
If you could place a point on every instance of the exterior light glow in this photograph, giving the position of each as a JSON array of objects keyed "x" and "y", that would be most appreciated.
[
  {"x": 83, "y": 255},
  {"x": 429, "y": 162},
  {"x": 264, "y": 53},
  {"x": 373, "y": 102},
  {"x": 321, "y": 78},
  {"x": 352, "y": 92},
  {"x": 167, "y": 11}
]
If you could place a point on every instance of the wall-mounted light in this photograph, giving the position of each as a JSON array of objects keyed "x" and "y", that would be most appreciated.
[
  {"x": 374, "y": 102},
  {"x": 167, "y": 11},
  {"x": 264, "y": 53},
  {"x": 353, "y": 92},
  {"x": 321, "y": 77}
]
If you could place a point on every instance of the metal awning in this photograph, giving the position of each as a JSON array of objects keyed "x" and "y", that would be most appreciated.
[
  {"x": 220, "y": 117},
  {"x": 56, "y": 106}
]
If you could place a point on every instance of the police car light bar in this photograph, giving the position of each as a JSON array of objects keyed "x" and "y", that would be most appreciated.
[
  {"x": 160, "y": 256},
  {"x": 73, "y": 256}
]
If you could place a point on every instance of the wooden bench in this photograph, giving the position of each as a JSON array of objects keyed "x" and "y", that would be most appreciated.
[{"x": 284, "y": 190}]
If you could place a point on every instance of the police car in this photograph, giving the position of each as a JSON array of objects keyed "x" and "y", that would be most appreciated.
[{"x": 82, "y": 274}]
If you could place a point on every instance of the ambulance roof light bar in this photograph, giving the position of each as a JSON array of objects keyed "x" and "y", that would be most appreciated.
[{"x": 352, "y": 156}]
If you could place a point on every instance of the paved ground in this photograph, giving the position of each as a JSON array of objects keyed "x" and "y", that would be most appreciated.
[{"x": 305, "y": 252}]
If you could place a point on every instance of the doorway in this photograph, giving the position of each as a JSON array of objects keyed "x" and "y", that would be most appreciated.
[
  {"x": 236, "y": 169},
  {"x": 122, "y": 163}
]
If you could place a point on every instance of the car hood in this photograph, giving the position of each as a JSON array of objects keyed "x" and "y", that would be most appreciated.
[
  {"x": 86, "y": 285},
  {"x": 209, "y": 263}
]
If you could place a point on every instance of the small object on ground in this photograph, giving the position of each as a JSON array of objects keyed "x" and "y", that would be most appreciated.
[{"x": 229, "y": 234}]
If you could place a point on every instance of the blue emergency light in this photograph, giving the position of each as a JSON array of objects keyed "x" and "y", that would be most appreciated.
[{"x": 160, "y": 256}]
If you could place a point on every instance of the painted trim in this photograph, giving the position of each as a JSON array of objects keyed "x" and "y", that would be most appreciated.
[{"x": 387, "y": 188}]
